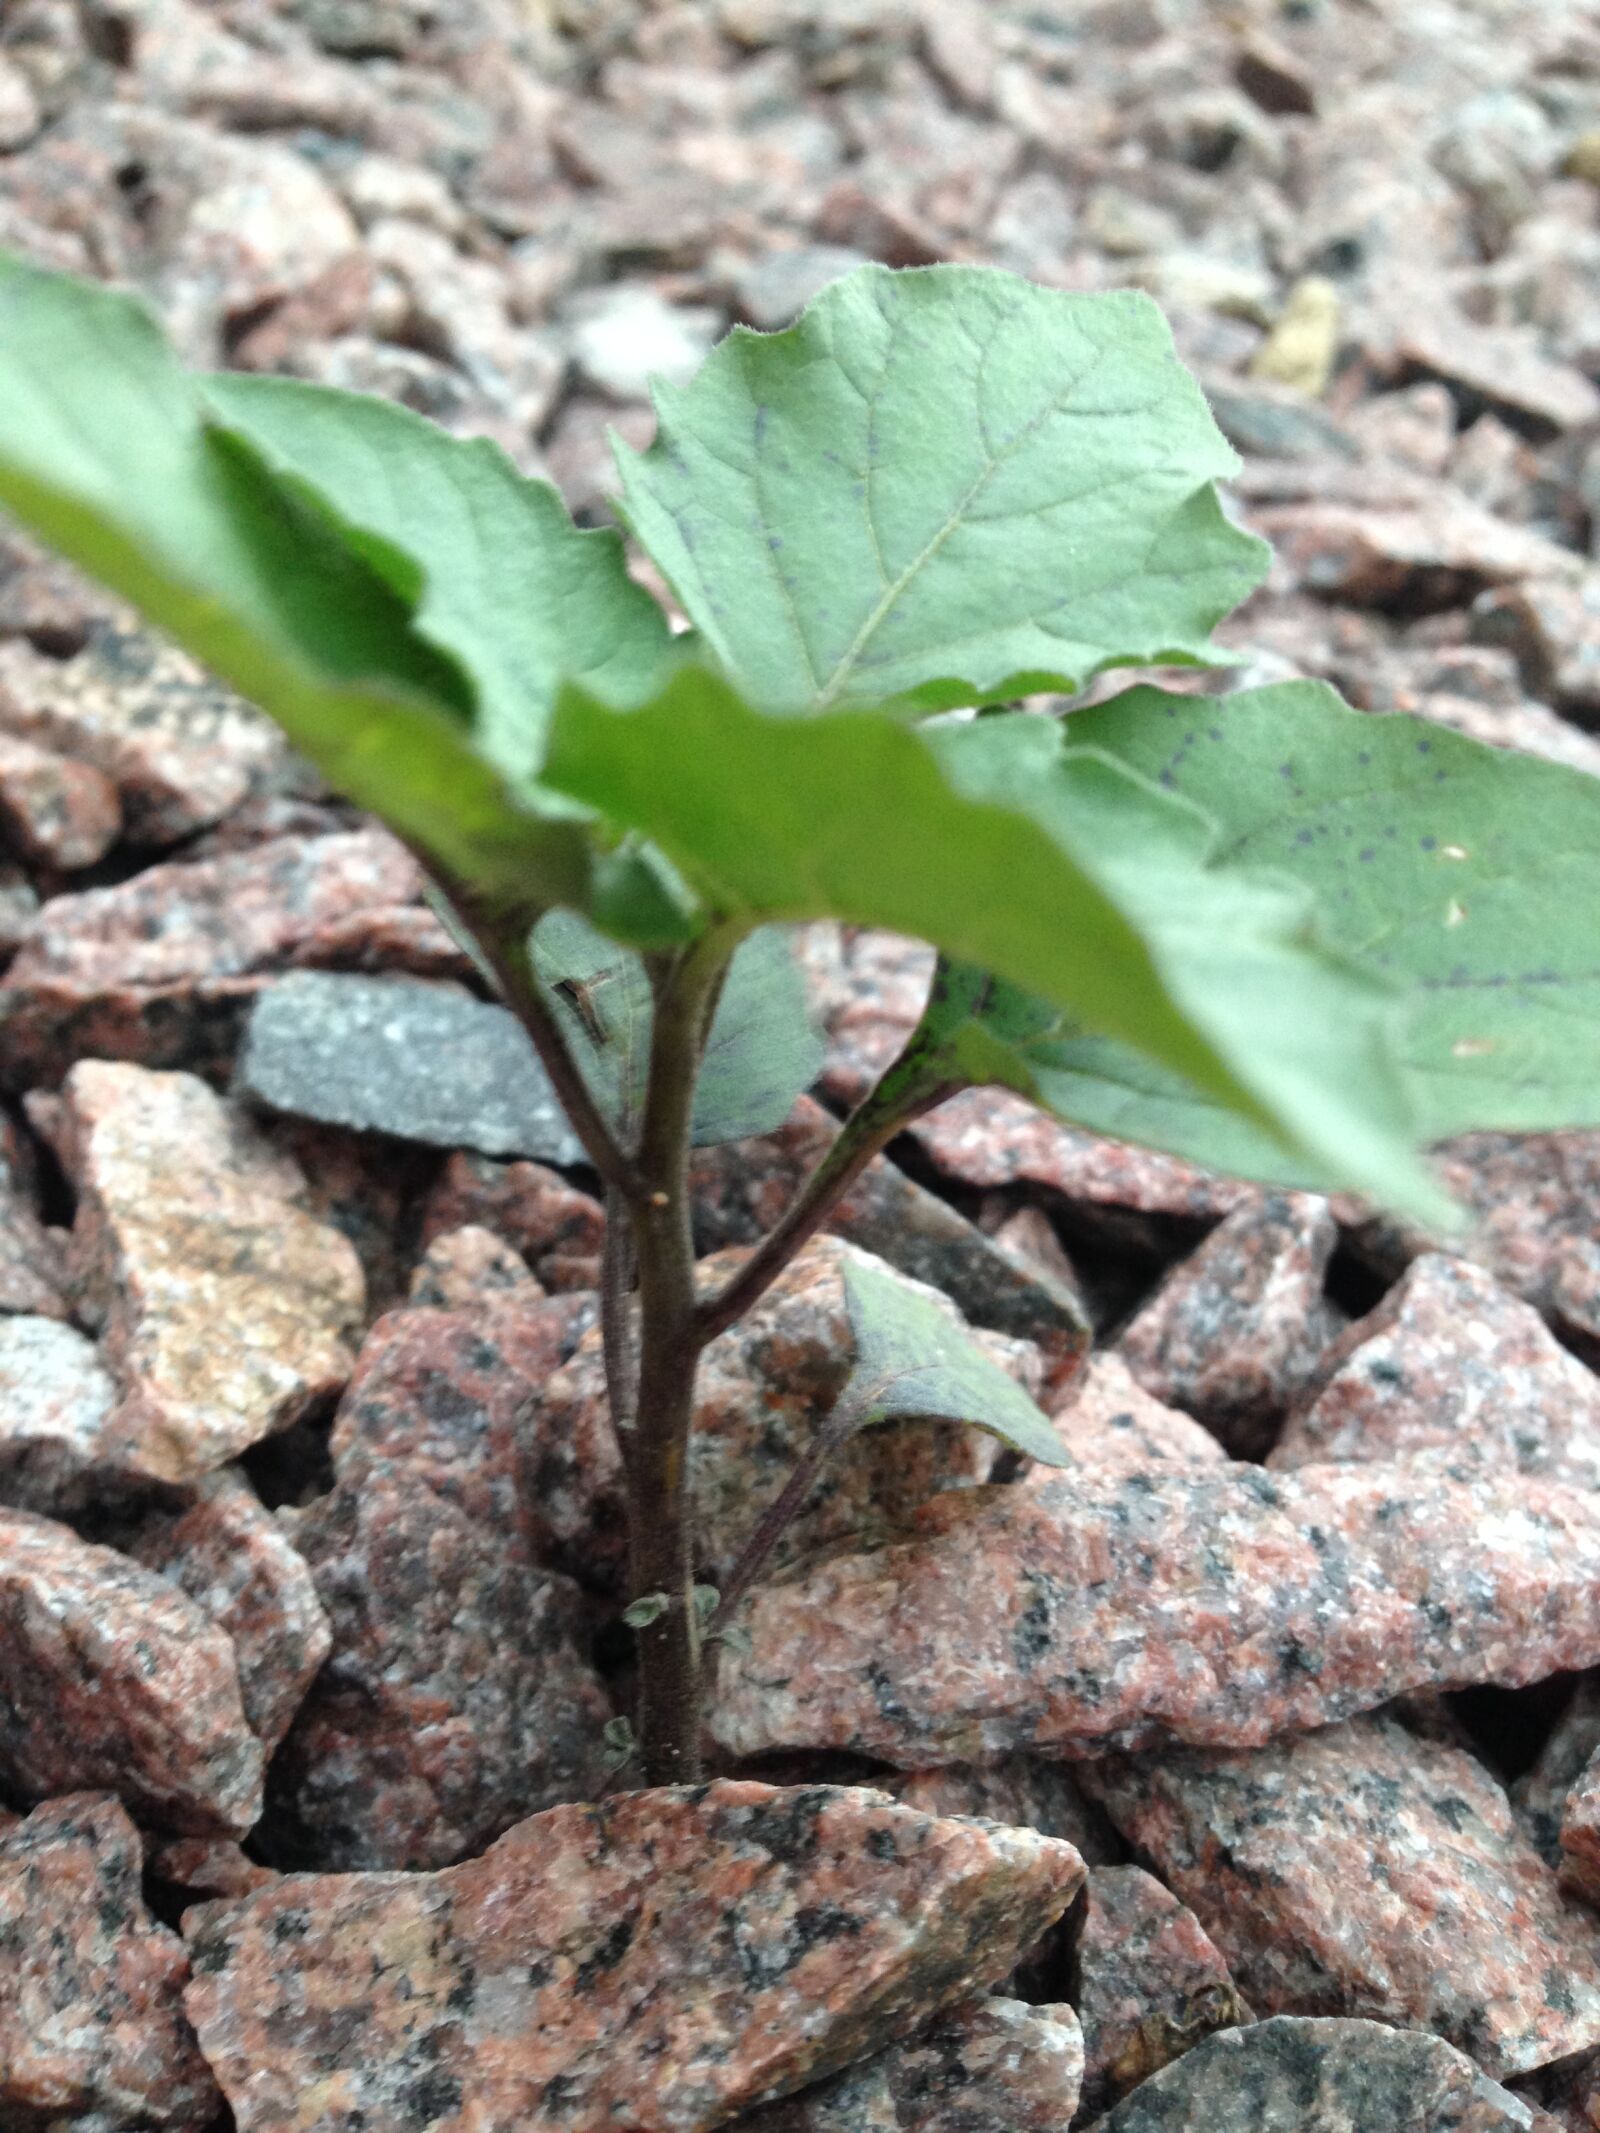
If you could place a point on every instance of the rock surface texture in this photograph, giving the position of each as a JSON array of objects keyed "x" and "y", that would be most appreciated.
[
  {"x": 224, "y": 1308},
  {"x": 665, "y": 1959},
  {"x": 1217, "y": 1606},
  {"x": 1287, "y": 2076},
  {"x": 92, "y": 2027},
  {"x": 1361, "y": 1871}
]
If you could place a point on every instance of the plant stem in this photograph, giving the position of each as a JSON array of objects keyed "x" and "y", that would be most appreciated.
[
  {"x": 618, "y": 1335},
  {"x": 661, "y": 1555},
  {"x": 886, "y": 1111},
  {"x": 503, "y": 944},
  {"x": 836, "y": 1428}
]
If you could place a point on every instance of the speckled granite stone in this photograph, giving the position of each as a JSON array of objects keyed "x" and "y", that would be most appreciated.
[
  {"x": 1539, "y": 1797},
  {"x": 1533, "y": 1199},
  {"x": 763, "y": 1387},
  {"x": 870, "y": 988},
  {"x": 56, "y": 1397},
  {"x": 1289, "y": 2076},
  {"x": 664, "y": 1959},
  {"x": 470, "y": 1265},
  {"x": 207, "y": 1866},
  {"x": 1450, "y": 1359},
  {"x": 232, "y": 1558},
  {"x": 32, "y": 1269},
  {"x": 1234, "y": 1333},
  {"x": 161, "y": 969},
  {"x": 1361, "y": 1871},
  {"x": 459, "y": 1695},
  {"x": 224, "y": 1308},
  {"x": 181, "y": 749},
  {"x": 739, "y": 1192},
  {"x": 92, "y": 2029},
  {"x": 1152, "y": 1983},
  {"x": 55, "y": 809},
  {"x": 110, "y": 1678},
  {"x": 1580, "y": 1832},
  {"x": 1220, "y": 1606},
  {"x": 1020, "y": 1789},
  {"x": 979, "y": 2067},
  {"x": 1109, "y": 1422},
  {"x": 558, "y": 1230}
]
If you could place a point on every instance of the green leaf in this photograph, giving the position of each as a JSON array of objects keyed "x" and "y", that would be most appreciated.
[
  {"x": 648, "y": 1608},
  {"x": 916, "y": 1361},
  {"x": 106, "y": 452},
  {"x": 499, "y": 577},
  {"x": 1468, "y": 876},
  {"x": 762, "y": 1050},
  {"x": 945, "y": 485},
  {"x": 1055, "y": 868},
  {"x": 978, "y": 1031}
]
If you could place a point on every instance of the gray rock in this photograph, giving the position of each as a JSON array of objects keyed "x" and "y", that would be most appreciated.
[
  {"x": 401, "y": 1056},
  {"x": 1292, "y": 2076},
  {"x": 774, "y": 290},
  {"x": 56, "y": 1397}
]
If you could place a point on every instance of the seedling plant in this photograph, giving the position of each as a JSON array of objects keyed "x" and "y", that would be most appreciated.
[{"x": 1262, "y": 931}]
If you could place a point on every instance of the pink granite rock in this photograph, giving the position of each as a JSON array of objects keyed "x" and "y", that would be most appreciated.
[
  {"x": 1020, "y": 1789},
  {"x": 1437, "y": 552},
  {"x": 1289, "y": 2076},
  {"x": 180, "y": 749},
  {"x": 763, "y": 1388},
  {"x": 1109, "y": 1422},
  {"x": 225, "y": 1310},
  {"x": 53, "y": 810},
  {"x": 1219, "y": 1606},
  {"x": 470, "y": 1265},
  {"x": 92, "y": 2028},
  {"x": 459, "y": 1695},
  {"x": 1151, "y": 1983},
  {"x": 1580, "y": 1832},
  {"x": 739, "y": 1192},
  {"x": 161, "y": 969},
  {"x": 1234, "y": 1333},
  {"x": 208, "y": 1867},
  {"x": 56, "y": 1398},
  {"x": 1361, "y": 1871},
  {"x": 112, "y": 1678},
  {"x": 1498, "y": 367},
  {"x": 1532, "y": 1199},
  {"x": 983, "y": 2063},
  {"x": 1553, "y": 628},
  {"x": 558, "y": 1230},
  {"x": 32, "y": 1272},
  {"x": 1452, "y": 1361},
  {"x": 662, "y": 1960},
  {"x": 234, "y": 1560},
  {"x": 1539, "y": 1796}
]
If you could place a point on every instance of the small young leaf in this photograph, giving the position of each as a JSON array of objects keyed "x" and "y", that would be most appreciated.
[
  {"x": 705, "y": 1599},
  {"x": 946, "y": 485},
  {"x": 1052, "y": 867},
  {"x": 107, "y": 452},
  {"x": 648, "y": 1608},
  {"x": 1468, "y": 876},
  {"x": 762, "y": 1051},
  {"x": 621, "y": 1744},
  {"x": 914, "y": 1360}
]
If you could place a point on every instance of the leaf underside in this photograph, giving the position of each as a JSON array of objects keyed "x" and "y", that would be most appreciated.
[{"x": 915, "y": 1360}]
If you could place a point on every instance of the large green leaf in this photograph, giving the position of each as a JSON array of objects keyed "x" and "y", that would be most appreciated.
[
  {"x": 106, "y": 452},
  {"x": 501, "y": 578},
  {"x": 915, "y": 1361},
  {"x": 1055, "y": 868},
  {"x": 761, "y": 1053},
  {"x": 946, "y": 485},
  {"x": 1469, "y": 876}
]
